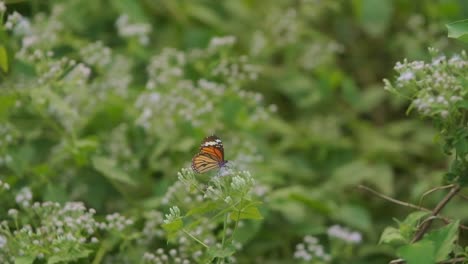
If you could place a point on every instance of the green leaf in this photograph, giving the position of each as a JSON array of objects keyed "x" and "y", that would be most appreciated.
[
  {"x": 315, "y": 204},
  {"x": 357, "y": 171},
  {"x": 374, "y": 15},
  {"x": 25, "y": 260},
  {"x": 109, "y": 169},
  {"x": 204, "y": 208},
  {"x": 443, "y": 240},
  {"x": 409, "y": 225},
  {"x": 392, "y": 236},
  {"x": 3, "y": 59},
  {"x": 458, "y": 30},
  {"x": 222, "y": 252},
  {"x": 71, "y": 256},
  {"x": 173, "y": 226},
  {"x": 354, "y": 216},
  {"x": 417, "y": 253},
  {"x": 250, "y": 212}
]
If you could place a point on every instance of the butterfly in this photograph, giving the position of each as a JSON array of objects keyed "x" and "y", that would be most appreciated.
[{"x": 210, "y": 156}]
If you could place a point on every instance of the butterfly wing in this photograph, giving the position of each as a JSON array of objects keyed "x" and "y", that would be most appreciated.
[
  {"x": 203, "y": 162},
  {"x": 211, "y": 155},
  {"x": 213, "y": 146}
]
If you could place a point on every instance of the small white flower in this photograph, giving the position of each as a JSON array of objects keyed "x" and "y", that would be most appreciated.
[
  {"x": 3, "y": 241},
  {"x": 2, "y": 7},
  {"x": 406, "y": 76},
  {"x": 12, "y": 212},
  {"x": 444, "y": 114}
]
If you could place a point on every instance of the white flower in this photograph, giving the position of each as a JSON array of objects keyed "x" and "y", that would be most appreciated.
[
  {"x": 3, "y": 241},
  {"x": 24, "y": 197},
  {"x": 2, "y": 7},
  {"x": 344, "y": 234},
  {"x": 406, "y": 76},
  {"x": 12, "y": 212}
]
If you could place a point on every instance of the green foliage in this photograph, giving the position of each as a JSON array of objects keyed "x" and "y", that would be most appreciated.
[
  {"x": 458, "y": 30},
  {"x": 102, "y": 103}
]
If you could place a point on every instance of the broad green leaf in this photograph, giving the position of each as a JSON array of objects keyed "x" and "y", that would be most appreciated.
[
  {"x": 109, "y": 169},
  {"x": 417, "y": 253},
  {"x": 317, "y": 205},
  {"x": 204, "y": 14},
  {"x": 70, "y": 257},
  {"x": 250, "y": 212},
  {"x": 173, "y": 226},
  {"x": 458, "y": 30},
  {"x": 409, "y": 225},
  {"x": 247, "y": 231},
  {"x": 374, "y": 15},
  {"x": 443, "y": 239},
  {"x": 221, "y": 252},
  {"x": 358, "y": 171},
  {"x": 3, "y": 59},
  {"x": 392, "y": 236},
  {"x": 354, "y": 216},
  {"x": 204, "y": 208},
  {"x": 24, "y": 260}
]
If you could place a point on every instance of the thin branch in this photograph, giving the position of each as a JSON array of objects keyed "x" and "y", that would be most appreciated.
[
  {"x": 454, "y": 260},
  {"x": 449, "y": 261},
  {"x": 463, "y": 196},
  {"x": 424, "y": 227},
  {"x": 393, "y": 200},
  {"x": 433, "y": 190},
  {"x": 413, "y": 206}
]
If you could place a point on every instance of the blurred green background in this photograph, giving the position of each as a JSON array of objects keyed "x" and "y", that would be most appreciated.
[{"x": 298, "y": 100}]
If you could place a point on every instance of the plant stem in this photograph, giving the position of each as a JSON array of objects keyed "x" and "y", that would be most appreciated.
[
  {"x": 221, "y": 260},
  {"x": 194, "y": 238},
  {"x": 423, "y": 229},
  {"x": 238, "y": 216}
]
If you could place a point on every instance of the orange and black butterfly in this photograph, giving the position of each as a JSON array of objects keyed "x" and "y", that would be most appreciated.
[{"x": 210, "y": 156}]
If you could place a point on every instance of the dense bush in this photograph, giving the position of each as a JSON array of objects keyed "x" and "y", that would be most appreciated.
[{"x": 104, "y": 103}]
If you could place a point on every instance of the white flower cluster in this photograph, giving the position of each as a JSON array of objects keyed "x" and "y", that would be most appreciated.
[
  {"x": 434, "y": 87},
  {"x": 42, "y": 33},
  {"x": 152, "y": 228},
  {"x": 174, "y": 214},
  {"x": 118, "y": 146},
  {"x": 319, "y": 53},
  {"x": 186, "y": 189},
  {"x": 127, "y": 29},
  {"x": 284, "y": 26},
  {"x": 4, "y": 186},
  {"x": 59, "y": 228},
  {"x": 174, "y": 96},
  {"x": 96, "y": 54},
  {"x": 117, "y": 222},
  {"x": 166, "y": 67},
  {"x": 311, "y": 250},
  {"x": 344, "y": 234},
  {"x": 24, "y": 197},
  {"x": 18, "y": 24},
  {"x": 3, "y": 7},
  {"x": 162, "y": 257},
  {"x": 242, "y": 182},
  {"x": 220, "y": 42},
  {"x": 3, "y": 240},
  {"x": 236, "y": 69}
]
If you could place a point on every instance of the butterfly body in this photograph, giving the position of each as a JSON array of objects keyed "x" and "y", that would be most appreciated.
[{"x": 210, "y": 155}]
